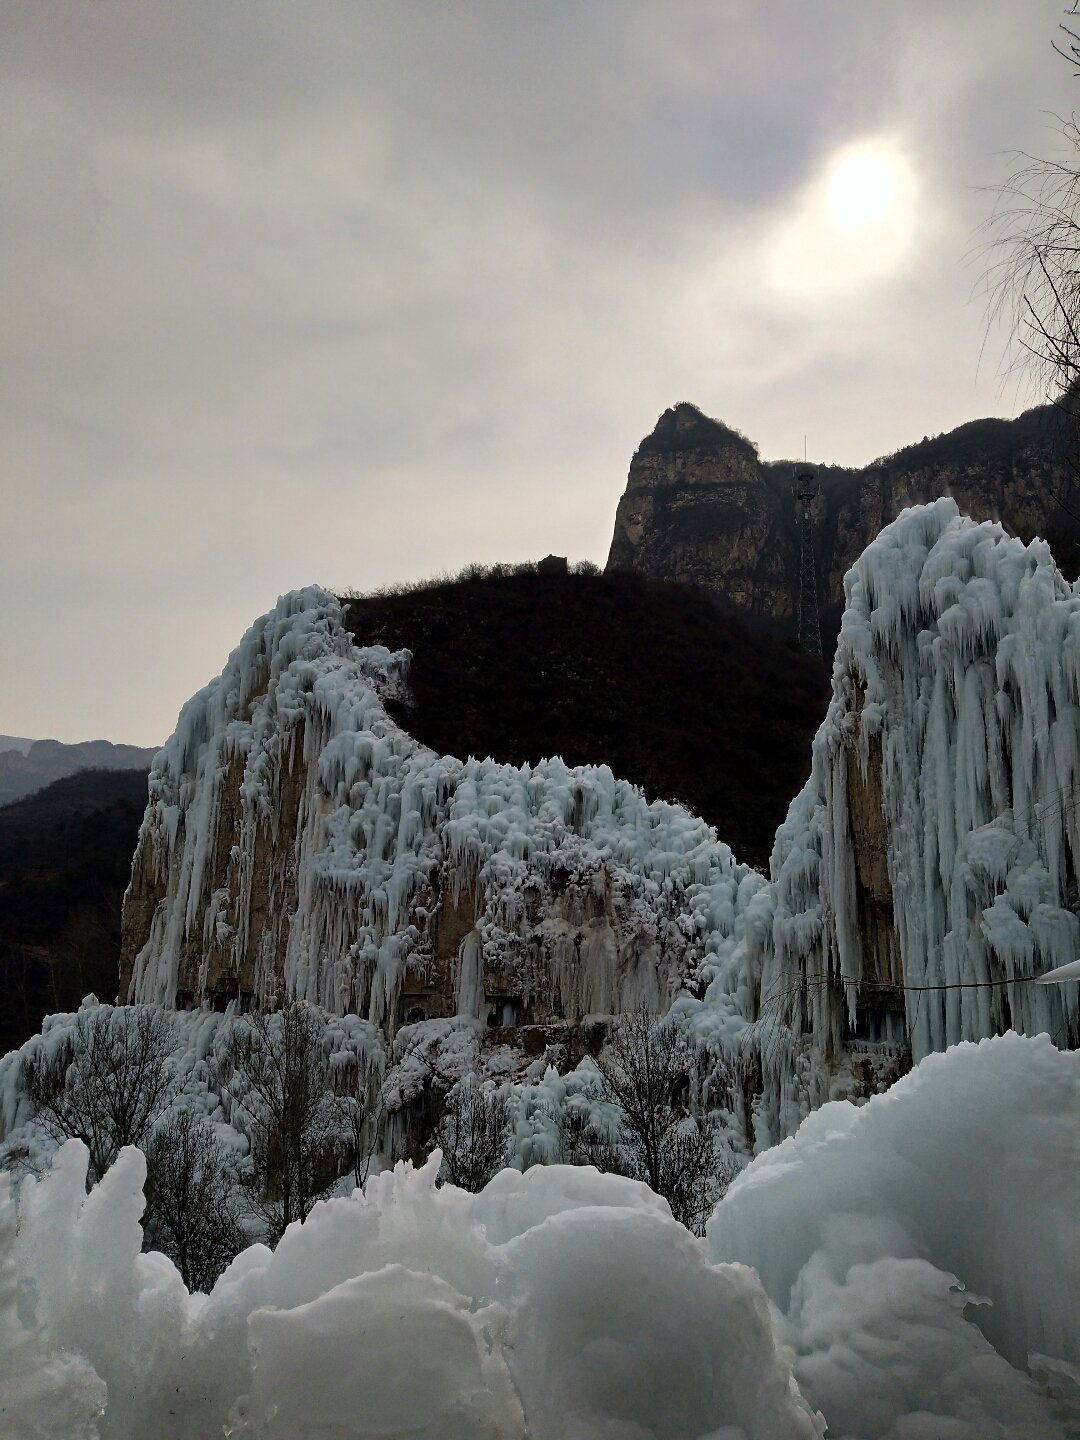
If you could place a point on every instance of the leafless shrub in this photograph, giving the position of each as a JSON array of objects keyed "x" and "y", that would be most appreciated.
[
  {"x": 646, "y": 1074},
  {"x": 1032, "y": 275},
  {"x": 108, "y": 1082},
  {"x": 472, "y": 1134},
  {"x": 276, "y": 1070},
  {"x": 192, "y": 1212},
  {"x": 362, "y": 1100}
]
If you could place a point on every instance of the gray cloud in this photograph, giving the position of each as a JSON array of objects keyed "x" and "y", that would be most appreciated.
[{"x": 353, "y": 291}]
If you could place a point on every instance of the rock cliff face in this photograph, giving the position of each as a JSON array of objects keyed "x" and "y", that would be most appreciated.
[{"x": 701, "y": 508}]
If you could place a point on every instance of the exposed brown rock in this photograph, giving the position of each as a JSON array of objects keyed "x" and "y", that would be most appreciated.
[
  {"x": 701, "y": 508},
  {"x": 145, "y": 894},
  {"x": 698, "y": 509}
]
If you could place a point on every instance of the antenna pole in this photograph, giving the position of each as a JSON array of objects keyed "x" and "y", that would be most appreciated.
[{"x": 804, "y": 488}]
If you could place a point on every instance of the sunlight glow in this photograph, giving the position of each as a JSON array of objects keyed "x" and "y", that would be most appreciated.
[
  {"x": 852, "y": 227},
  {"x": 861, "y": 187}
]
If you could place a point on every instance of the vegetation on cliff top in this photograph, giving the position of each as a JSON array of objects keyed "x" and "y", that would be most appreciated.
[
  {"x": 685, "y": 427},
  {"x": 687, "y": 699}
]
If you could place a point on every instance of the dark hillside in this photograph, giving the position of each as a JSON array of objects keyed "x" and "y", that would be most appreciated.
[
  {"x": 65, "y": 860},
  {"x": 688, "y": 700}
]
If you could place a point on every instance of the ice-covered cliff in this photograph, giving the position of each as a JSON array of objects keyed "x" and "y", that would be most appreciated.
[
  {"x": 298, "y": 843},
  {"x": 927, "y": 873}
]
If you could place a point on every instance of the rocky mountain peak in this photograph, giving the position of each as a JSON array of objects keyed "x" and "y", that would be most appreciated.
[
  {"x": 685, "y": 427},
  {"x": 702, "y": 509}
]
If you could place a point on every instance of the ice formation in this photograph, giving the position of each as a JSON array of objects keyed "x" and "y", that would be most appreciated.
[
  {"x": 298, "y": 843},
  {"x": 901, "y": 1296},
  {"x": 927, "y": 873}
]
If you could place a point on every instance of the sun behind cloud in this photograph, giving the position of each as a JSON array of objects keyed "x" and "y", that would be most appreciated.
[
  {"x": 852, "y": 225},
  {"x": 862, "y": 186}
]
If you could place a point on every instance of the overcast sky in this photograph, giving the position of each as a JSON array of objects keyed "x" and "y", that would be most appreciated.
[{"x": 354, "y": 292}]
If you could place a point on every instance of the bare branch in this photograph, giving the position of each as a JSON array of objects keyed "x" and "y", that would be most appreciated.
[
  {"x": 646, "y": 1075},
  {"x": 276, "y": 1070},
  {"x": 107, "y": 1083},
  {"x": 192, "y": 1213},
  {"x": 472, "y": 1133}
]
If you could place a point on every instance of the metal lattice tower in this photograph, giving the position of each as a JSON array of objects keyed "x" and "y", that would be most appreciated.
[{"x": 805, "y": 491}]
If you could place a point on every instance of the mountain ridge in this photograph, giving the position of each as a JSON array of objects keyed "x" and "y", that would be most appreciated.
[{"x": 700, "y": 507}]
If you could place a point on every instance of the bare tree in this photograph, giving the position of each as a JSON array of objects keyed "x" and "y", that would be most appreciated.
[
  {"x": 276, "y": 1070},
  {"x": 363, "y": 1098},
  {"x": 107, "y": 1082},
  {"x": 1033, "y": 279},
  {"x": 192, "y": 1213},
  {"x": 646, "y": 1074},
  {"x": 472, "y": 1134}
]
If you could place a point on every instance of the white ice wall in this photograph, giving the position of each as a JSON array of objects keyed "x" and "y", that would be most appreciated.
[
  {"x": 958, "y": 663},
  {"x": 966, "y": 645},
  {"x": 384, "y": 824}
]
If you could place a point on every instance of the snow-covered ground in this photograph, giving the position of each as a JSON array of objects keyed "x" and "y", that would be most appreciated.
[{"x": 915, "y": 1268}]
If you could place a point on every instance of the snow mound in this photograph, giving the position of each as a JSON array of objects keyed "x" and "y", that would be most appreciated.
[
  {"x": 393, "y": 1313},
  {"x": 923, "y": 1247},
  {"x": 564, "y": 1304}
]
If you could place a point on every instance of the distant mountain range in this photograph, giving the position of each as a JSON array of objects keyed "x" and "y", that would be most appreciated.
[
  {"x": 15, "y": 742},
  {"x": 30, "y": 765}
]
